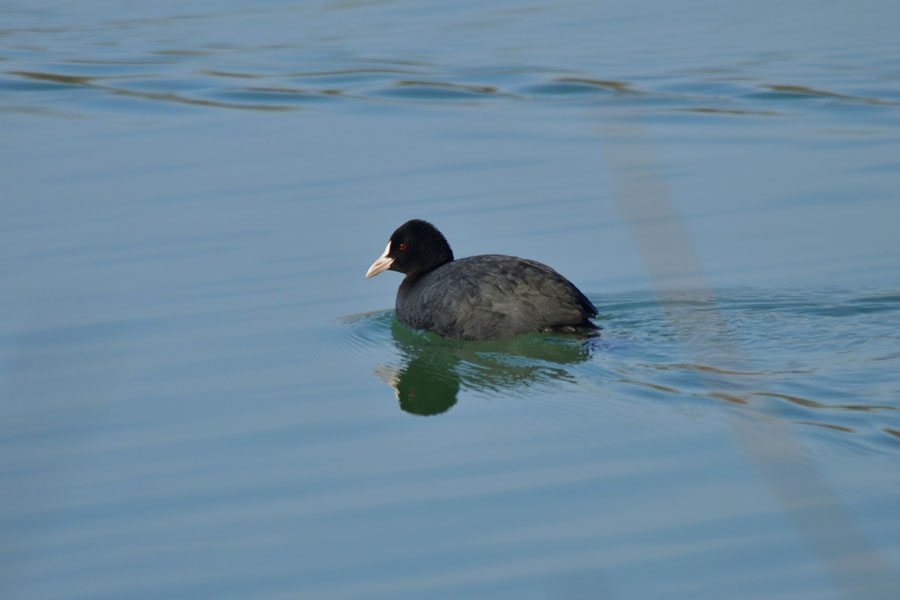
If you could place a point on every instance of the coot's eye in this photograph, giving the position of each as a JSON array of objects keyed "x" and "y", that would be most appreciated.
[{"x": 402, "y": 246}]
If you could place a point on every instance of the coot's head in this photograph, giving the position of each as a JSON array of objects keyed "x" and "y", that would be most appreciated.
[{"x": 416, "y": 247}]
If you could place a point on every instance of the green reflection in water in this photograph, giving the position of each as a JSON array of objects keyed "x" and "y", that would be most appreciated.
[{"x": 434, "y": 369}]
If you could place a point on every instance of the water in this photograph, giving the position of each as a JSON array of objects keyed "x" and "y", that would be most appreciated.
[{"x": 201, "y": 396}]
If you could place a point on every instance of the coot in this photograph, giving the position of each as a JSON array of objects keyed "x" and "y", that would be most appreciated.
[{"x": 479, "y": 297}]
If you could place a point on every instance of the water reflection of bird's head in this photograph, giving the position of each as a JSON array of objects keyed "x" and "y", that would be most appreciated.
[
  {"x": 433, "y": 369},
  {"x": 423, "y": 386}
]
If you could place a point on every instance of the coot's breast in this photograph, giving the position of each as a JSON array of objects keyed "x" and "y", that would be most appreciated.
[{"x": 492, "y": 296}]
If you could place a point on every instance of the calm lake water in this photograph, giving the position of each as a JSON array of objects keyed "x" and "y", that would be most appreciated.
[{"x": 202, "y": 397}]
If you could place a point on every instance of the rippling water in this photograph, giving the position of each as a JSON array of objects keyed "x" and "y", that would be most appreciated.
[
  {"x": 201, "y": 396},
  {"x": 789, "y": 346}
]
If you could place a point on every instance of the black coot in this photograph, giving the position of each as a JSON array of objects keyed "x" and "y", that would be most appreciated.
[{"x": 480, "y": 297}]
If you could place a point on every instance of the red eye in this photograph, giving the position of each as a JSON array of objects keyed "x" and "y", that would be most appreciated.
[{"x": 402, "y": 246}]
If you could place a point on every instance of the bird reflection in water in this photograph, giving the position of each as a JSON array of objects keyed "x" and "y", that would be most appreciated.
[{"x": 435, "y": 369}]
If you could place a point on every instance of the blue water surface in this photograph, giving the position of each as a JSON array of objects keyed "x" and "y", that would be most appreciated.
[{"x": 202, "y": 397}]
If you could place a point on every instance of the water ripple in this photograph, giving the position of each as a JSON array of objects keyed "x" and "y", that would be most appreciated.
[
  {"x": 799, "y": 92},
  {"x": 204, "y": 77},
  {"x": 617, "y": 362}
]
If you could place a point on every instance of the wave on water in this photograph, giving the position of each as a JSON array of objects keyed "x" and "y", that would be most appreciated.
[
  {"x": 825, "y": 359},
  {"x": 208, "y": 78}
]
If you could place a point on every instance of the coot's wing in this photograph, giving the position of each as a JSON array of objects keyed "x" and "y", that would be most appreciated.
[{"x": 494, "y": 296}]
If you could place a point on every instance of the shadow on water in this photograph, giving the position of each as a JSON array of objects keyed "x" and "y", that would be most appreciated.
[{"x": 434, "y": 370}]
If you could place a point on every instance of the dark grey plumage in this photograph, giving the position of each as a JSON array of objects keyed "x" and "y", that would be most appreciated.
[{"x": 481, "y": 297}]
